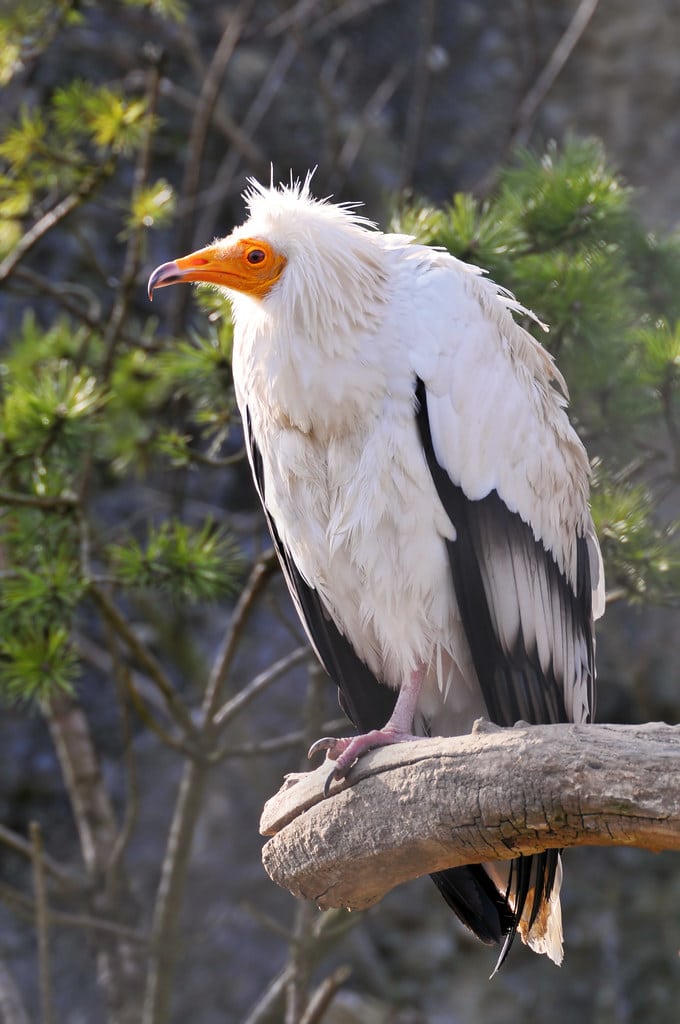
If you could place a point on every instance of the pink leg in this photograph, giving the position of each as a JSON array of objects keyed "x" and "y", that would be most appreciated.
[{"x": 347, "y": 749}]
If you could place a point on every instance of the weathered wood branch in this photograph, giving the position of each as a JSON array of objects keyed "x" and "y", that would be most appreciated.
[{"x": 418, "y": 807}]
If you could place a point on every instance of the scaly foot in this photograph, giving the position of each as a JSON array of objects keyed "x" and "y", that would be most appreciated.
[{"x": 346, "y": 750}]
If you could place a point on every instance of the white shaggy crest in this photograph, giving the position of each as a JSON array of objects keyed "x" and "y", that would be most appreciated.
[{"x": 288, "y": 198}]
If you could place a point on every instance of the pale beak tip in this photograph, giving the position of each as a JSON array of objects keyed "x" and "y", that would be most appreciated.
[{"x": 166, "y": 274}]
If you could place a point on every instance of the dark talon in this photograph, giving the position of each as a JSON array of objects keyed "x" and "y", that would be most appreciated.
[
  {"x": 330, "y": 778},
  {"x": 325, "y": 743}
]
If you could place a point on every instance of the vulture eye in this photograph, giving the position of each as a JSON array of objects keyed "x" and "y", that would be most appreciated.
[{"x": 256, "y": 256}]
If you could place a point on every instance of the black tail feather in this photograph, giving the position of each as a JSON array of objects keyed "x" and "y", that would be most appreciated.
[{"x": 477, "y": 902}]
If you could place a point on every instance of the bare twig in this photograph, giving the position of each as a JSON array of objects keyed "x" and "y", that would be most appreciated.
[
  {"x": 418, "y": 100},
  {"x": 261, "y": 682},
  {"x": 374, "y": 107},
  {"x": 222, "y": 121},
  {"x": 189, "y": 230},
  {"x": 119, "y": 967},
  {"x": 259, "y": 577},
  {"x": 301, "y": 962},
  {"x": 297, "y": 15},
  {"x": 24, "y": 907},
  {"x": 202, "y": 116},
  {"x": 327, "y": 22},
  {"x": 189, "y": 799},
  {"x": 533, "y": 99},
  {"x": 146, "y": 660},
  {"x": 66, "y": 878},
  {"x": 304, "y": 946},
  {"x": 160, "y": 976},
  {"x": 63, "y": 293},
  {"x": 289, "y": 741},
  {"x": 215, "y": 462},
  {"x": 154, "y": 726},
  {"x": 41, "y": 925},
  {"x": 269, "y": 1006},
  {"x": 323, "y": 995},
  {"x": 48, "y": 501},
  {"x": 270, "y": 88},
  {"x": 50, "y": 219},
  {"x": 133, "y": 250},
  {"x": 12, "y": 1009},
  {"x": 132, "y": 788},
  {"x": 667, "y": 392}
]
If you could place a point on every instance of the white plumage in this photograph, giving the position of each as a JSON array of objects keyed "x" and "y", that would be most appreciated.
[{"x": 425, "y": 490}]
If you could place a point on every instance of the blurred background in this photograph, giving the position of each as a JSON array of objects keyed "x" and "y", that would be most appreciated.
[{"x": 128, "y": 132}]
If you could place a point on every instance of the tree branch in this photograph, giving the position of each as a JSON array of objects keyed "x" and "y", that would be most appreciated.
[{"x": 422, "y": 806}]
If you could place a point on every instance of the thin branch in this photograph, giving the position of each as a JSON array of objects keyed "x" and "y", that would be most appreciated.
[
  {"x": 12, "y": 1009},
  {"x": 98, "y": 924},
  {"x": 666, "y": 394},
  {"x": 418, "y": 100},
  {"x": 374, "y": 107},
  {"x": 46, "y": 501},
  {"x": 42, "y": 926},
  {"x": 50, "y": 219},
  {"x": 141, "y": 690},
  {"x": 62, "y": 294},
  {"x": 224, "y": 176},
  {"x": 189, "y": 230},
  {"x": 154, "y": 726},
  {"x": 277, "y": 744},
  {"x": 270, "y": 1004},
  {"x": 202, "y": 116},
  {"x": 301, "y": 962},
  {"x": 146, "y": 660},
  {"x": 259, "y": 577},
  {"x": 326, "y": 23},
  {"x": 222, "y": 121},
  {"x": 24, "y": 907},
  {"x": 533, "y": 99},
  {"x": 168, "y": 903},
  {"x": 261, "y": 682},
  {"x": 161, "y": 973},
  {"x": 133, "y": 250},
  {"x": 63, "y": 876},
  {"x": 324, "y": 994},
  {"x": 295, "y": 17},
  {"x": 119, "y": 967},
  {"x": 121, "y": 677},
  {"x": 201, "y": 459},
  {"x": 305, "y": 946}
]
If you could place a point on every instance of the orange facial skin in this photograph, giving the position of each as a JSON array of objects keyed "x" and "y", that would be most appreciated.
[{"x": 248, "y": 265}]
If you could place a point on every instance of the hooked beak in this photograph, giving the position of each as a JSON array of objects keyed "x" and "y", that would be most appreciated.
[
  {"x": 208, "y": 264},
  {"x": 227, "y": 263}
]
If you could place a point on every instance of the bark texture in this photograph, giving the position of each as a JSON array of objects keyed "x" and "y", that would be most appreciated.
[{"x": 425, "y": 805}]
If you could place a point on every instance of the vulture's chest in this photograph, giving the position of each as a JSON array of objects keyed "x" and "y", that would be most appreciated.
[{"x": 362, "y": 522}]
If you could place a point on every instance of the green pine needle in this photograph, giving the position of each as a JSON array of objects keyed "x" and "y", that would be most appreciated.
[{"x": 184, "y": 562}]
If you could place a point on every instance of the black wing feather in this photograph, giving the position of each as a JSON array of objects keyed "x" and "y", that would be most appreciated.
[{"x": 513, "y": 683}]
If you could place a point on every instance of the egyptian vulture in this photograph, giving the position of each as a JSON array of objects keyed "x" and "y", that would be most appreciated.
[{"x": 426, "y": 494}]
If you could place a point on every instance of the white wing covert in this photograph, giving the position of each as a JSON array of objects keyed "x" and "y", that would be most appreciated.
[{"x": 512, "y": 476}]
